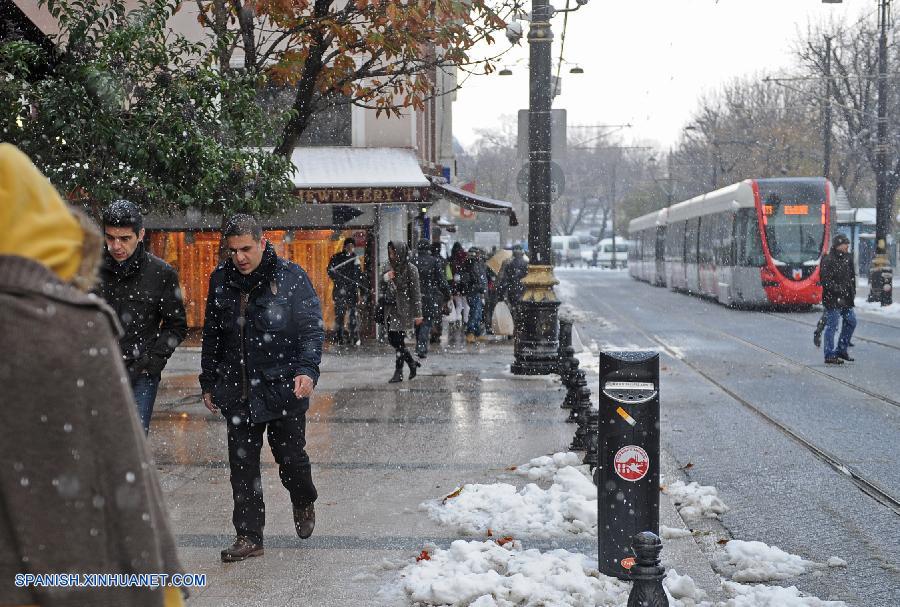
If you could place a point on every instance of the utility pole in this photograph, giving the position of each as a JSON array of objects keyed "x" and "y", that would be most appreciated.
[
  {"x": 826, "y": 127},
  {"x": 881, "y": 273}
]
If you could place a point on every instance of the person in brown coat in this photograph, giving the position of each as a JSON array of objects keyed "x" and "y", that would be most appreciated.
[
  {"x": 402, "y": 296},
  {"x": 78, "y": 488}
]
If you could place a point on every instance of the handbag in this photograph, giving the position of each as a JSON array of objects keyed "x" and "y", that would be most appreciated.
[{"x": 502, "y": 320}]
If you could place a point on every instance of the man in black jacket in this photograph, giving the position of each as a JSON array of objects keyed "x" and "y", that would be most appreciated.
[
  {"x": 144, "y": 292},
  {"x": 838, "y": 292},
  {"x": 344, "y": 270},
  {"x": 262, "y": 344},
  {"x": 435, "y": 291}
]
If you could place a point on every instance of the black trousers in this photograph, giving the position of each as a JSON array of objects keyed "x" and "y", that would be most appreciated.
[
  {"x": 343, "y": 309},
  {"x": 287, "y": 439},
  {"x": 397, "y": 339}
]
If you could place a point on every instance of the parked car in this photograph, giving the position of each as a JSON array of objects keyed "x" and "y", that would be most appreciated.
[
  {"x": 604, "y": 253},
  {"x": 566, "y": 250}
]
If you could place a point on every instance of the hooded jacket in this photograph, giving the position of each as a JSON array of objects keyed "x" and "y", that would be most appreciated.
[
  {"x": 78, "y": 488},
  {"x": 403, "y": 292},
  {"x": 432, "y": 282},
  {"x": 838, "y": 279}
]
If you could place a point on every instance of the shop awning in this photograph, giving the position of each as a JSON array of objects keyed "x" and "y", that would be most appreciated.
[
  {"x": 346, "y": 175},
  {"x": 473, "y": 202}
]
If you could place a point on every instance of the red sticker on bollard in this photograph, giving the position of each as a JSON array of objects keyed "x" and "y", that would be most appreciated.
[
  {"x": 631, "y": 463},
  {"x": 628, "y": 563}
]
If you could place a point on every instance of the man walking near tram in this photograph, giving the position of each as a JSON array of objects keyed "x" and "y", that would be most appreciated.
[
  {"x": 838, "y": 292},
  {"x": 144, "y": 292},
  {"x": 262, "y": 344}
]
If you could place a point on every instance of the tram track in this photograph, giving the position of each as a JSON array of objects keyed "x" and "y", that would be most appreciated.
[
  {"x": 869, "y": 340},
  {"x": 868, "y": 486}
]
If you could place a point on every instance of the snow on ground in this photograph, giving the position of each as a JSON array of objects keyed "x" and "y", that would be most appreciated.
[
  {"x": 892, "y": 310},
  {"x": 545, "y": 467},
  {"x": 756, "y": 595},
  {"x": 758, "y": 562},
  {"x": 567, "y": 507},
  {"x": 672, "y": 533},
  {"x": 694, "y": 500},
  {"x": 486, "y": 574}
]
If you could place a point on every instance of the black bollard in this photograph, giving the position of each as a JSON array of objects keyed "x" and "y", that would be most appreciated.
[
  {"x": 581, "y": 395},
  {"x": 592, "y": 438},
  {"x": 647, "y": 573},
  {"x": 580, "y": 439},
  {"x": 628, "y": 492}
]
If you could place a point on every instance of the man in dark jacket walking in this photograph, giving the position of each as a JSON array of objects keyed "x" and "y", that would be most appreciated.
[
  {"x": 435, "y": 290},
  {"x": 476, "y": 277},
  {"x": 512, "y": 272},
  {"x": 262, "y": 344},
  {"x": 344, "y": 270},
  {"x": 143, "y": 290},
  {"x": 838, "y": 292}
]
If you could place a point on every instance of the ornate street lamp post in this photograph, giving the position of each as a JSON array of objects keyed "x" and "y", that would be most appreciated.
[{"x": 537, "y": 333}]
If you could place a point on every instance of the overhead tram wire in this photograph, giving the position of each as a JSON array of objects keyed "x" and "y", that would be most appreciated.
[{"x": 562, "y": 48}]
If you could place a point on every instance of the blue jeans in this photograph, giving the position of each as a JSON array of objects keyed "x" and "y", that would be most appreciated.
[
  {"x": 423, "y": 334},
  {"x": 832, "y": 317},
  {"x": 144, "y": 388},
  {"x": 476, "y": 312}
]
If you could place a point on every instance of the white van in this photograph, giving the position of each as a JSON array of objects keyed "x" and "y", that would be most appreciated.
[
  {"x": 605, "y": 257},
  {"x": 566, "y": 250}
]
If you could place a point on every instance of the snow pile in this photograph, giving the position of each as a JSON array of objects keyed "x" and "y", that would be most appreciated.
[
  {"x": 568, "y": 506},
  {"x": 545, "y": 467},
  {"x": 772, "y": 596},
  {"x": 486, "y": 574},
  {"x": 673, "y": 533},
  {"x": 758, "y": 562},
  {"x": 875, "y": 307},
  {"x": 683, "y": 588},
  {"x": 695, "y": 501}
]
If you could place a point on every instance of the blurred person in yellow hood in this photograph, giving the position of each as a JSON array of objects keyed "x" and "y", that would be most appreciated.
[{"x": 78, "y": 489}]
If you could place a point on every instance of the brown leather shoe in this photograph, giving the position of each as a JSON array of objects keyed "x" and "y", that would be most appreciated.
[
  {"x": 304, "y": 519},
  {"x": 242, "y": 549}
]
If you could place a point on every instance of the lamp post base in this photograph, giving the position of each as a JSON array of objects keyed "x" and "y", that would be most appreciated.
[
  {"x": 537, "y": 331},
  {"x": 881, "y": 278}
]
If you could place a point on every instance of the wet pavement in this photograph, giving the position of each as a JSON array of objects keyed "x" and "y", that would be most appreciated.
[{"x": 378, "y": 451}]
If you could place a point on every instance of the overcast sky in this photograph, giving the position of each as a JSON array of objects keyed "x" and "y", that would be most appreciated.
[{"x": 646, "y": 62}]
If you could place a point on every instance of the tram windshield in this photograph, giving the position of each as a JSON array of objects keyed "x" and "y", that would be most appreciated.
[{"x": 794, "y": 226}]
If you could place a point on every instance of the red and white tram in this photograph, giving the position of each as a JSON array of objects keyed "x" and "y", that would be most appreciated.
[{"x": 755, "y": 242}]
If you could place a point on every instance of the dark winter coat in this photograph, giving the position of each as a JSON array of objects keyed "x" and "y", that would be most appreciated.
[
  {"x": 838, "y": 279},
  {"x": 273, "y": 316},
  {"x": 475, "y": 275},
  {"x": 458, "y": 263},
  {"x": 144, "y": 293},
  {"x": 344, "y": 270},
  {"x": 403, "y": 294},
  {"x": 511, "y": 274},
  {"x": 78, "y": 487},
  {"x": 433, "y": 284}
]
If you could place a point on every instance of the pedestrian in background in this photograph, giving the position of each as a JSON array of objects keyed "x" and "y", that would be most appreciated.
[
  {"x": 838, "y": 292},
  {"x": 434, "y": 288},
  {"x": 512, "y": 272},
  {"x": 143, "y": 290},
  {"x": 478, "y": 282},
  {"x": 262, "y": 345},
  {"x": 437, "y": 328},
  {"x": 459, "y": 287},
  {"x": 78, "y": 488},
  {"x": 402, "y": 297},
  {"x": 344, "y": 271}
]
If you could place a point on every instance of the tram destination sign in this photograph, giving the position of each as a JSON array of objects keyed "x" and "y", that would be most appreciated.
[{"x": 361, "y": 195}]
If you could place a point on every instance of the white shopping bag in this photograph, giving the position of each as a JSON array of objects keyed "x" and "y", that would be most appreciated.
[
  {"x": 502, "y": 322},
  {"x": 454, "y": 314}
]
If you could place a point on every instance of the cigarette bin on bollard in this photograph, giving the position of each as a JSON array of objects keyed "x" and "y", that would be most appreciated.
[{"x": 628, "y": 462}]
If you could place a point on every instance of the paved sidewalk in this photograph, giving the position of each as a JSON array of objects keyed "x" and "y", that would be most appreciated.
[{"x": 378, "y": 451}]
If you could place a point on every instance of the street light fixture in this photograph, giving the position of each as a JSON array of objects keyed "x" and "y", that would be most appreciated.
[
  {"x": 537, "y": 330},
  {"x": 505, "y": 72}
]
